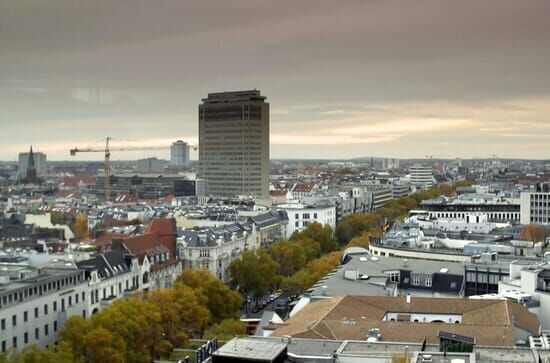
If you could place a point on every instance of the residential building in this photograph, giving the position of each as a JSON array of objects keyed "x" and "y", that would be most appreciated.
[
  {"x": 234, "y": 144},
  {"x": 214, "y": 248},
  {"x": 301, "y": 215},
  {"x": 270, "y": 227},
  {"x": 111, "y": 275},
  {"x": 36, "y": 302},
  {"x": 150, "y": 165},
  {"x": 179, "y": 154}
]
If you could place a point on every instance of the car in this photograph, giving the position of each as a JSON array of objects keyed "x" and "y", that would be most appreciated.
[
  {"x": 273, "y": 297},
  {"x": 263, "y": 303},
  {"x": 426, "y": 358}
]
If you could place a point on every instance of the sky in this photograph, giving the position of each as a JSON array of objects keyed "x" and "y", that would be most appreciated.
[{"x": 344, "y": 79}]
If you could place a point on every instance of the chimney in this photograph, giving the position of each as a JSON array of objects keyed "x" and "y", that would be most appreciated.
[{"x": 408, "y": 298}]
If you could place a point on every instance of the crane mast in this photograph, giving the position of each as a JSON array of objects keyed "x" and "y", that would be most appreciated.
[{"x": 106, "y": 170}]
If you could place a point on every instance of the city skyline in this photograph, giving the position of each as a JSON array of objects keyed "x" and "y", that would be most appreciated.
[{"x": 392, "y": 79}]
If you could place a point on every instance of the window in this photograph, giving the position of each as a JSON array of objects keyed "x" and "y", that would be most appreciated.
[
  {"x": 416, "y": 280},
  {"x": 45, "y": 309},
  {"x": 55, "y": 306},
  {"x": 14, "y": 320},
  {"x": 3, "y": 323},
  {"x": 25, "y": 316},
  {"x": 394, "y": 276},
  {"x": 15, "y": 342},
  {"x": 315, "y": 215},
  {"x": 453, "y": 285},
  {"x": 3, "y": 346},
  {"x": 25, "y": 338},
  {"x": 36, "y": 334},
  {"x": 36, "y": 312},
  {"x": 55, "y": 325},
  {"x": 46, "y": 330},
  {"x": 428, "y": 281}
]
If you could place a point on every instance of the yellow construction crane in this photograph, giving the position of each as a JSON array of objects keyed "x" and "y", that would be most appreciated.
[{"x": 107, "y": 163}]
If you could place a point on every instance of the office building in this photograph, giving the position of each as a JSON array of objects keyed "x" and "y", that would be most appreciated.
[
  {"x": 39, "y": 161},
  {"x": 535, "y": 205},
  {"x": 234, "y": 144},
  {"x": 150, "y": 165},
  {"x": 421, "y": 175},
  {"x": 179, "y": 153}
]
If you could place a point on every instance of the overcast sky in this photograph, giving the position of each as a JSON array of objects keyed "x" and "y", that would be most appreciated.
[{"x": 344, "y": 78}]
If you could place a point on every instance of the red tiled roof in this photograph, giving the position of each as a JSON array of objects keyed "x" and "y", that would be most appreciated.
[
  {"x": 106, "y": 238},
  {"x": 303, "y": 187},
  {"x": 278, "y": 192}
]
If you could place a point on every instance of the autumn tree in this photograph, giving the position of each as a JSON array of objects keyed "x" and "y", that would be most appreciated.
[
  {"x": 362, "y": 240},
  {"x": 289, "y": 255},
  {"x": 80, "y": 227},
  {"x": 254, "y": 272},
  {"x": 355, "y": 224},
  {"x": 226, "y": 329},
  {"x": 320, "y": 233},
  {"x": 219, "y": 299},
  {"x": 533, "y": 233}
]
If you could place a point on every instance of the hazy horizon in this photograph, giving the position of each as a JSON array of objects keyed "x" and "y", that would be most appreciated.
[{"x": 344, "y": 80}]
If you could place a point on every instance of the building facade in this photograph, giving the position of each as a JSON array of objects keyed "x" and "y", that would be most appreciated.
[
  {"x": 535, "y": 207},
  {"x": 150, "y": 165},
  {"x": 39, "y": 164},
  {"x": 234, "y": 144},
  {"x": 179, "y": 153},
  {"x": 422, "y": 175},
  {"x": 300, "y": 216}
]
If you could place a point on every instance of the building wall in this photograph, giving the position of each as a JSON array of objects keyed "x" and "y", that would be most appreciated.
[
  {"x": 535, "y": 208},
  {"x": 234, "y": 144},
  {"x": 39, "y": 162},
  {"x": 150, "y": 165},
  {"x": 179, "y": 153},
  {"x": 299, "y": 218},
  {"x": 52, "y": 308}
]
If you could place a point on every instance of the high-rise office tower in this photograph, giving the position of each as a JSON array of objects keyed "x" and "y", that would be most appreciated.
[
  {"x": 234, "y": 144},
  {"x": 179, "y": 153}
]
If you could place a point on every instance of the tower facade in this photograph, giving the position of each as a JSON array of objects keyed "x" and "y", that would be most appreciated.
[{"x": 234, "y": 144}]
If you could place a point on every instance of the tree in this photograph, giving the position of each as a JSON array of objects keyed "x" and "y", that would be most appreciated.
[
  {"x": 102, "y": 347},
  {"x": 254, "y": 272},
  {"x": 317, "y": 232},
  {"x": 220, "y": 300},
  {"x": 533, "y": 233},
  {"x": 355, "y": 224},
  {"x": 289, "y": 255},
  {"x": 360, "y": 241},
  {"x": 226, "y": 330},
  {"x": 135, "y": 322},
  {"x": 73, "y": 334},
  {"x": 80, "y": 227}
]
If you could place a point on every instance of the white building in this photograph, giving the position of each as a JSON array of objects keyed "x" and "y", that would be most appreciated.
[
  {"x": 421, "y": 175},
  {"x": 530, "y": 282},
  {"x": 34, "y": 305},
  {"x": 150, "y": 165},
  {"x": 300, "y": 215},
  {"x": 215, "y": 248},
  {"x": 535, "y": 207},
  {"x": 179, "y": 153}
]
